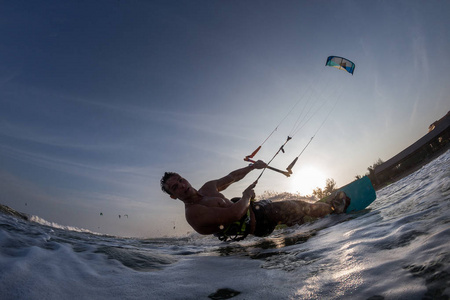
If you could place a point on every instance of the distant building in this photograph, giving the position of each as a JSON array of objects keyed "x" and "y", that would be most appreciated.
[{"x": 436, "y": 123}]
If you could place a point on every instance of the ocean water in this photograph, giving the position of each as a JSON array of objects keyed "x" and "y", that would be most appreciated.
[{"x": 399, "y": 248}]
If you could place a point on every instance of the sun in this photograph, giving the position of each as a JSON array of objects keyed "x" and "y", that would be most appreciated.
[{"x": 305, "y": 179}]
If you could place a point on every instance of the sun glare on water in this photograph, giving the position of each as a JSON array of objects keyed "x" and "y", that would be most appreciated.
[{"x": 306, "y": 179}]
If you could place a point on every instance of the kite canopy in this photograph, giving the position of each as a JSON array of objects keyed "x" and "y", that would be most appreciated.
[{"x": 340, "y": 63}]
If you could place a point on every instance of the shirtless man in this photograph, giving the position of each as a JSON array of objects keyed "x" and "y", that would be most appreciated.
[{"x": 210, "y": 212}]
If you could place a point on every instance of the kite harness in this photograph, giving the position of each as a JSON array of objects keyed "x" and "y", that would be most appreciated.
[{"x": 236, "y": 231}]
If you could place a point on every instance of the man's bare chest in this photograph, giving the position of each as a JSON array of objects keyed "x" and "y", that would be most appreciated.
[{"x": 215, "y": 202}]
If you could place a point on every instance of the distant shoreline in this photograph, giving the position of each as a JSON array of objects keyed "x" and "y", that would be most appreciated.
[
  {"x": 424, "y": 150},
  {"x": 412, "y": 169}
]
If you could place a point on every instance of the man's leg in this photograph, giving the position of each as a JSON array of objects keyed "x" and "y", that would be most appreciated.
[{"x": 292, "y": 212}]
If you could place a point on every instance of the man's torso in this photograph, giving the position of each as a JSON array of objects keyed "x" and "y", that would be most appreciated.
[{"x": 211, "y": 198}]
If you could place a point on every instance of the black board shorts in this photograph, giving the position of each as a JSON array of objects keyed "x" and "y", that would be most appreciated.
[{"x": 264, "y": 226}]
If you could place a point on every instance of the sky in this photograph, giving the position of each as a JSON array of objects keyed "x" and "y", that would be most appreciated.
[{"x": 99, "y": 98}]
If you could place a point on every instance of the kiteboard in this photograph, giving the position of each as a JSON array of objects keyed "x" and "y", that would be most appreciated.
[{"x": 361, "y": 193}]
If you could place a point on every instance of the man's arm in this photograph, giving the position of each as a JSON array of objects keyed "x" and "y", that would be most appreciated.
[{"x": 237, "y": 175}]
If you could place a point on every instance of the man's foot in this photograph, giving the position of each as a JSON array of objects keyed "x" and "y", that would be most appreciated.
[{"x": 339, "y": 203}]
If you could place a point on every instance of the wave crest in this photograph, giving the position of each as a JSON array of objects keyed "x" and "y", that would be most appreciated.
[{"x": 44, "y": 222}]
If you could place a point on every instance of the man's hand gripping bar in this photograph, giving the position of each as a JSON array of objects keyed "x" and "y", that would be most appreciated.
[{"x": 285, "y": 173}]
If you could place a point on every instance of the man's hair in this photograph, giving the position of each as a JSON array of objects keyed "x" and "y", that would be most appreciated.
[{"x": 166, "y": 176}]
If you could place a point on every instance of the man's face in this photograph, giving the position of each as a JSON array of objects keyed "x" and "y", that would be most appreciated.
[{"x": 179, "y": 187}]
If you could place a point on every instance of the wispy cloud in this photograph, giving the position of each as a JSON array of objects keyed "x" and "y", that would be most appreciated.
[
  {"x": 7, "y": 76},
  {"x": 17, "y": 190},
  {"x": 114, "y": 175},
  {"x": 420, "y": 55}
]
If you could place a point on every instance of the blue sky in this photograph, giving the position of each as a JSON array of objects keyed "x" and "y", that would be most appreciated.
[{"x": 99, "y": 98}]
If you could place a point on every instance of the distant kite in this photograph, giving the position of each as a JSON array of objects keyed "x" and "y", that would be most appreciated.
[{"x": 340, "y": 63}]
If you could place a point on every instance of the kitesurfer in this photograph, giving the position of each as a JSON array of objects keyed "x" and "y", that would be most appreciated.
[{"x": 210, "y": 212}]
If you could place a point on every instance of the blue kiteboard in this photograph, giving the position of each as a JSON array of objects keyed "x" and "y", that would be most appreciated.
[{"x": 361, "y": 193}]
